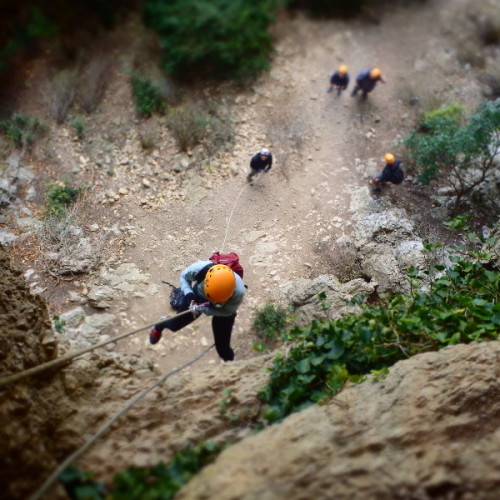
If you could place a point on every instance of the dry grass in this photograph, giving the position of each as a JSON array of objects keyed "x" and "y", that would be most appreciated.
[
  {"x": 62, "y": 242},
  {"x": 60, "y": 93},
  {"x": 93, "y": 81}
]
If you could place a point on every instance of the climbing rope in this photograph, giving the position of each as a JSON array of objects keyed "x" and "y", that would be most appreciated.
[
  {"x": 53, "y": 477},
  {"x": 55, "y": 362},
  {"x": 232, "y": 210}
]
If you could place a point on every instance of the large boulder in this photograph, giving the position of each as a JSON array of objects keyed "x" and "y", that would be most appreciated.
[
  {"x": 429, "y": 429},
  {"x": 323, "y": 298}
]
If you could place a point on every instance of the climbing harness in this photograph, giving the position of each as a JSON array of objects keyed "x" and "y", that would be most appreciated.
[
  {"x": 53, "y": 477},
  {"x": 55, "y": 362}
]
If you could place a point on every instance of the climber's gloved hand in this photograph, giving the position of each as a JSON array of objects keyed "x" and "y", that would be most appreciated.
[
  {"x": 195, "y": 308},
  {"x": 267, "y": 169}
]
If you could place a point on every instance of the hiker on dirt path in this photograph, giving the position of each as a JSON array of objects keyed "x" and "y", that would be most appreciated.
[
  {"x": 261, "y": 162},
  {"x": 339, "y": 80},
  {"x": 392, "y": 173},
  {"x": 367, "y": 80},
  {"x": 211, "y": 289}
]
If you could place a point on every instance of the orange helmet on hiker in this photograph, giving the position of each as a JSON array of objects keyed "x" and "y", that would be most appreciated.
[
  {"x": 375, "y": 73},
  {"x": 343, "y": 69},
  {"x": 389, "y": 158},
  {"x": 220, "y": 283}
]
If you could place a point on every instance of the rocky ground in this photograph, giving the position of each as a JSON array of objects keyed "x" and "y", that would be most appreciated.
[{"x": 148, "y": 213}]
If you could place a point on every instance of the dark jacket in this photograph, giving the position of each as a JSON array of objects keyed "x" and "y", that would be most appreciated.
[
  {"x": 257, "y": 163},
  {"x": 365, "y": 82},
  {"x": 392, "y": 173},
  {"x": 341, "y": 81}
]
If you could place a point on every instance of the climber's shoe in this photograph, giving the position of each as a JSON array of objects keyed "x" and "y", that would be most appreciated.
[{"x": 154, "y": 336}]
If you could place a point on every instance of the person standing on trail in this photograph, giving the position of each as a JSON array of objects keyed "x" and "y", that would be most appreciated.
[
  {"x": 339, "y": 80},
  {"x": 211, "y": 289},
  {"x": 367, "y": 80},
  {"x": 261, "y": 162},
  {"x": 392, "y": 173}
]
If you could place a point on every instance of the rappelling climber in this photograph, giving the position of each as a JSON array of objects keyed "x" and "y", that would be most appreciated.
[
  {"x": 392, "y": 173},
  {"x": 367, "y": 80},
  {"x": 211, "y": 289},
  {"x": 339, "y": 80},
  {"x": 261, "y": 162}
]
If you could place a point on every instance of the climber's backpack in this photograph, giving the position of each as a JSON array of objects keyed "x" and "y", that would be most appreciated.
[
  {"x": 229, "y": 259},
  {"x": 176, "y": 296}
]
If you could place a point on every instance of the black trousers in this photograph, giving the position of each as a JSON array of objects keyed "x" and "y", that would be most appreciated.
[{"x": 222, "y": 327}]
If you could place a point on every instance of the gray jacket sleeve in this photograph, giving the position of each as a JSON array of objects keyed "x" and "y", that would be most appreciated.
[{"x": 189, "y": 275}]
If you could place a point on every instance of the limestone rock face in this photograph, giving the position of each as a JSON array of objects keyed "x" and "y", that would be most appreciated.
[
  {"x": 429, "y": 429},
  {"x": 323, "y": 297}
]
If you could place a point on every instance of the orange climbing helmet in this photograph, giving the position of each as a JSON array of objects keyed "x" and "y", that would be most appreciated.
[
  {"x": 389, "y": 158},
  {"x": 375, "y": 73},
  {"x": 343, "y": 69},
  {"x": 220, "y": 283}
]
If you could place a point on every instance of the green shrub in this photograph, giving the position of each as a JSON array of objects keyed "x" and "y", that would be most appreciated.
[
  {"x": 21, "y": 130},
  {"x": 461, "y": 306},
  {"x": 59, "y": 197},
  {"x": 148, "y": 96},
  {"x": 160, "y": 482},
  {"x": 463, "y": 148},
  {"x": 219, "y": 38},
  {"x": 79, "y": 125},
  {"x": 269, "y": 324}
]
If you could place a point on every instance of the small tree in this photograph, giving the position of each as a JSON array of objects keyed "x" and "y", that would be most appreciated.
[
  {"x": 220, "y": 38},
  {"x": 463, "y": 148}
]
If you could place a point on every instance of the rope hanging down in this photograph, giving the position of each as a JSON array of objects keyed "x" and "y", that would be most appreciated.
[
  {"x": 232, "y": 210},
  {"x": 55, "y": 362},
  {"x": 48, "y": 483}
]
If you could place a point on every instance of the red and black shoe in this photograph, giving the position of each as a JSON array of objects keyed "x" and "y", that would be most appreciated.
[{"x": 154, "y": 336}]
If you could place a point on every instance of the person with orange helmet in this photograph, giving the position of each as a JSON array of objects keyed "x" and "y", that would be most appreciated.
[
  {"x": 392, "y": 173},
  {"x": 211, "y": 289},
  {"x": 367, "y": 80},
  {"x": 339, "y": 79}
]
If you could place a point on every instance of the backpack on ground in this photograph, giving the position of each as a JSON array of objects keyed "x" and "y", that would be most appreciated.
[{"x": 229, "y": 259}]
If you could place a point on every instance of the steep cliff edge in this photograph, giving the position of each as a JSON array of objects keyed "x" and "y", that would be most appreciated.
[{"x": 429, "y": 429}]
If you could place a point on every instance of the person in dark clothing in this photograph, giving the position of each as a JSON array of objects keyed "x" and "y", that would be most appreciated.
[
  {"x": 211, "y": 289},
  {"x": 339, "y": 80},
  {"x": 367, "y": 80},
  {"x": 261, "y": 162},
  {"x": 392, "y": 173}
]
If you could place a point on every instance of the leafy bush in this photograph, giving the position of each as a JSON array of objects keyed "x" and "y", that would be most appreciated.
[
  {"x": 269, "y": 324},
  {"x": 220, "y": 38},
  {"x": 35, "y": 25},
  {"x": 148, "y": 96},
  {"x": 21, "y": 130},
  {"x": 160, "y": 482},
  {"x": 59, "y": 197},
  {"x": 464, "y": 149},
  {"x": 461, "y": 306},
  {"x": 79, "y": 125}
]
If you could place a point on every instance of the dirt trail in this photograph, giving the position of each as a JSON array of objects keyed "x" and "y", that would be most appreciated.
[{"x": 304, "y": 200}]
